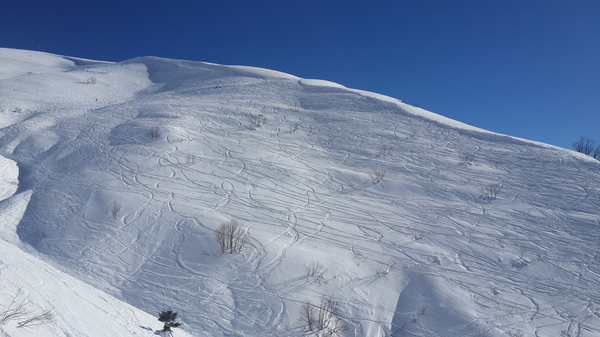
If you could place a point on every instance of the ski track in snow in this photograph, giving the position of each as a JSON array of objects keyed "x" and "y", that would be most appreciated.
[{"x": 302, "y": 185}]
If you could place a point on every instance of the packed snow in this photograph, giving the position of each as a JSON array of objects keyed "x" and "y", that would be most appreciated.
[{"x": 114, "y": 178}]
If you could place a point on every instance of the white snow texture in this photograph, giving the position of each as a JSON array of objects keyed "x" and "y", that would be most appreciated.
[{"x": 114, "y": 178}]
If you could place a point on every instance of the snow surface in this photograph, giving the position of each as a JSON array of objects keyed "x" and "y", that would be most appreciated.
[{"x": 118, "y": 174}]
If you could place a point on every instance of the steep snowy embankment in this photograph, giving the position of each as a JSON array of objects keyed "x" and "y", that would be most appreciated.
[{"x": 412, "y": 223}]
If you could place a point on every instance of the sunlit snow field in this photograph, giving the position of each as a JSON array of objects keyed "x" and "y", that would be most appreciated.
[{"x": 118, "y": 174}]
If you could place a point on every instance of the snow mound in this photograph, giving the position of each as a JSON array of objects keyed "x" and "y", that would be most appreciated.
[{"x": 320, "y": 83}]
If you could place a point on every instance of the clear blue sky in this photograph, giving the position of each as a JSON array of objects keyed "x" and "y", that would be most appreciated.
[{"x": 525, "y": 68}]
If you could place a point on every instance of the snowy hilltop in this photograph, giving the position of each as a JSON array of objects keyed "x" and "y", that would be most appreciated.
[{"x": 257, "y": 203}]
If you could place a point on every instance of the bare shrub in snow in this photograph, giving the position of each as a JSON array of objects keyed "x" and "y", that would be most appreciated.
[
  {"x": 585, "y": 146},
  {"x": 316, "y": 271},
  {"x": 18, "y": 309},
  {"x": 191, "y": 159},
  {"x": 294, "y": 127},
  {"x": 294, "y": 106},
  {"x": 42, "y": 318},
  {"x": 467, "y": 159},
  {"x": 490, "y": 192},
  {"x": 521, "y": 261},
  {"x": 91, "y": 80},
  {"x": 422, "y": 311},
  {"x": 257, "y": 121},
  {"x": 154, "y": 133},
  {"x": 377, "y": 176},
  {"x": 386, "y": 268},
  {"x": 323, "y": 319},
  {"x": 385, "y": 151},
  {"x": 115, "y": 209},
  {"x": 231, "y": 237}
]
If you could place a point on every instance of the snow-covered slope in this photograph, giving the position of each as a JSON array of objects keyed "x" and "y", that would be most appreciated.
[
  {"x": 412, "y": 223},
  {"x": 57, "y": 304},
  {"x": 36, "y": 299}
]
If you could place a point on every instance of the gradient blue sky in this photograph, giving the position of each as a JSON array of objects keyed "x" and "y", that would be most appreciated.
[{"x": 524, "y": 68}]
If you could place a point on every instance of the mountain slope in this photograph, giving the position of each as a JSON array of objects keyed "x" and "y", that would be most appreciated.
[{"x": 414, "y": 224}]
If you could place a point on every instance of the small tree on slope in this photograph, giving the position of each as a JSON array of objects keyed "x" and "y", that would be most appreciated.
[{"x": 169, "y": 318}]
